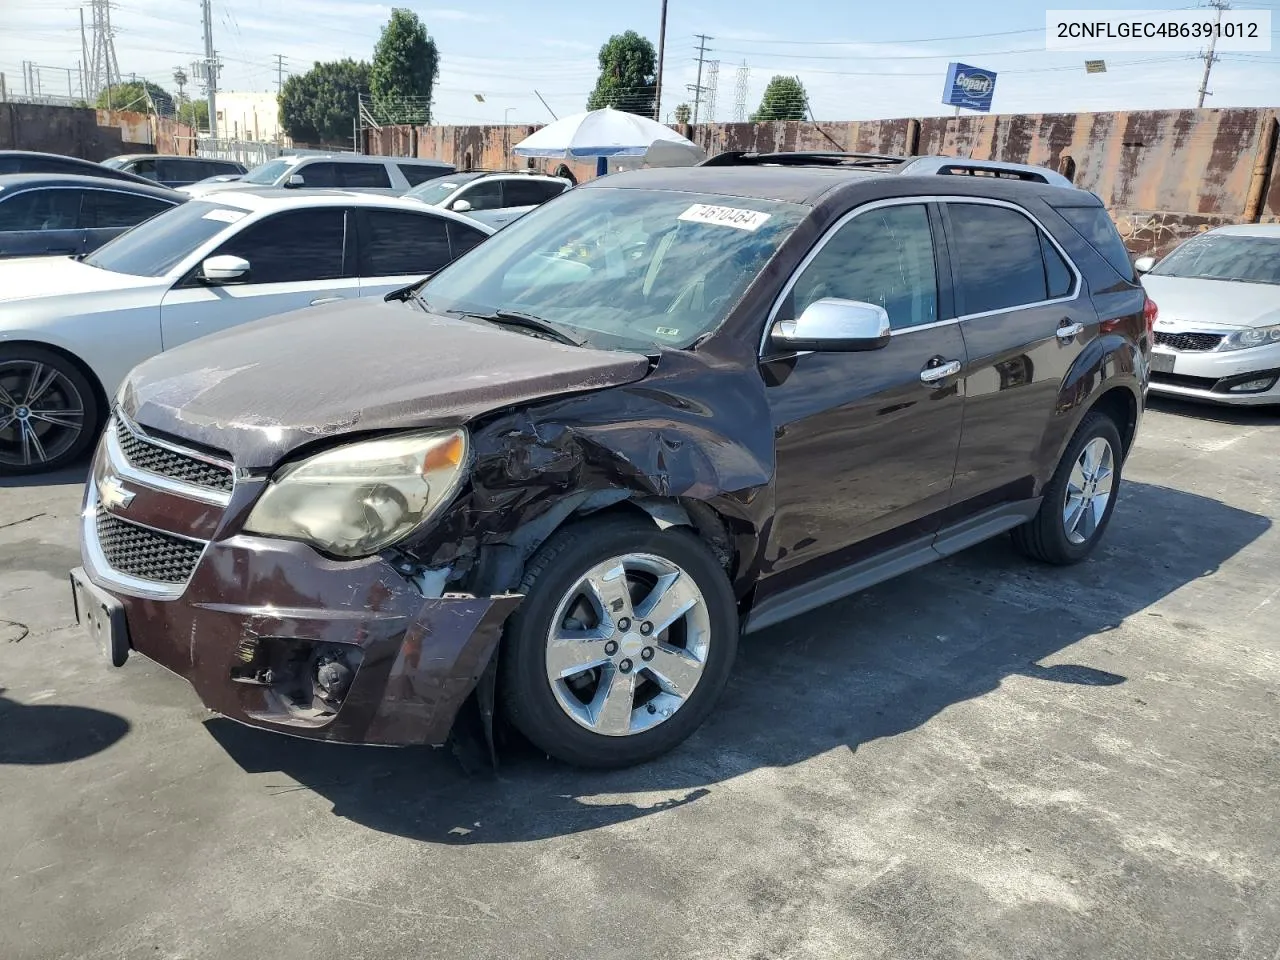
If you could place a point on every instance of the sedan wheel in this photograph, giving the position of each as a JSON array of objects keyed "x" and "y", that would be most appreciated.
[{"x": 46, "y": 409}]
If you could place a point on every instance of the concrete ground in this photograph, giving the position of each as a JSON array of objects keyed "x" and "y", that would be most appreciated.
[{"x": 984, "y": 759}]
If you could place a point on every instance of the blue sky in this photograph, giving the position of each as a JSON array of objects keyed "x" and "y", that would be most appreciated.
[{"x": 858, "y": 61}]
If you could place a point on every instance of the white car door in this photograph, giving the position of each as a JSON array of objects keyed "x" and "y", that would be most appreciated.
[
  {"x": 399, "y": 247},
  {"x": 297, "y": 258}
]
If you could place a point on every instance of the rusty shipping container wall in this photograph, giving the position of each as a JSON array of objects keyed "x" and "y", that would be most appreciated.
[{"x": 1163, "y": 174}]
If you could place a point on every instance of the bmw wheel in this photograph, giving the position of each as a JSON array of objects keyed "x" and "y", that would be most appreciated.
[{"x": 48, "y": 411}]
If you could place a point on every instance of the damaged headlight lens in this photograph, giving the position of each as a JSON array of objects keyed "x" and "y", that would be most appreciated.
[{"x": 356, "y": 500}]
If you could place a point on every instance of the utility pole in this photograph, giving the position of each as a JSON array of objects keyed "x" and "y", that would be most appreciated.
[
  {"x": 702, "y": 58},
  {"x": 662, "y": 43},
  {"x": 1209, "y": 56},
  {"x": 279, "y": 73},
  {"x": 210, "y": 68},
  {"x": 84, "y": 57}
]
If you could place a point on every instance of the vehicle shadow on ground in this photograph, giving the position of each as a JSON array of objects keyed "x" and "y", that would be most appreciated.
[
  {"x": 67, "y": 475},
  {"x": 44, "y": 733},
  {"x": 1235, "y": 416},
  {"x": 872, "y": 666}
]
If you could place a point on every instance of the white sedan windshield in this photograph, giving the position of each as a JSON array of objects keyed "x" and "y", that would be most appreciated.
[
  {"x": 1222, "y": 256},
  {"x": 155, "y": 246}
]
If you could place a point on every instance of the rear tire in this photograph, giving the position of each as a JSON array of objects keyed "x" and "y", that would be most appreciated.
[
  {"x": 49, "y": 411},
  {"x": 622, "y": 645},
  {"x": 1079, "y": 497}
]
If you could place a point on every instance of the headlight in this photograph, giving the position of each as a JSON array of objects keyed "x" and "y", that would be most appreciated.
[
  {"x": 1252, "y": 337},
  {"x": 356, "y": 500}
]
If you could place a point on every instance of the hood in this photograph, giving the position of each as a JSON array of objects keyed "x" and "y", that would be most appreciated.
[
  {"x": 26, "y": 277},
  {"x": 261, "y": 390},
  {"x": 1187, "y": 302}
]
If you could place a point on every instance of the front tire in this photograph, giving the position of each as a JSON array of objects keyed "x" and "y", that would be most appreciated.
[
  {"x": 49, "y": 412},
  {"x": 622, "y": 645},
  {"x": 1079, "y": 498}
]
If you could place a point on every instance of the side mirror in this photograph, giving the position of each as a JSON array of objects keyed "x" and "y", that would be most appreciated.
[
  {"x": 295, "y": 180},
  {"x": 834, "y": 325},
  {"x": 1144, "y": 264},
  {"x": 461, "y": 206},
  {"x": 224, "y": 268}
]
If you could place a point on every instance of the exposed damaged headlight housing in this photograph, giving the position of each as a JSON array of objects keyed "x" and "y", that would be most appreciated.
[
  {"x": 1251, "y": 337},
  {"x": 358, "y": 499}
]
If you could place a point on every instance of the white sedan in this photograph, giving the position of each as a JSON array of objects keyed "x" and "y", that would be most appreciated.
[
  {"x": 71, "y": 329},
  {"x": 1218, "y": 336}
]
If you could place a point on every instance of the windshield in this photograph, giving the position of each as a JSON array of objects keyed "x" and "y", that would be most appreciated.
[
  {"x": 436, "y": 191},
  {"x": 156, "y": 246},
  {"x": 268, "y": 172},
  {"x": 115, "y": 163},
  {"x": 1224, "y": 257},
  {"x": 621, "y": 268}
]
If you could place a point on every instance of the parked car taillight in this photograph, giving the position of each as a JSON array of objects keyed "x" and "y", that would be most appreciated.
[{"x": 1149, "y": 313}]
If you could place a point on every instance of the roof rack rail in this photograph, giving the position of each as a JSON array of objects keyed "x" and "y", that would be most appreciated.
[{"x": 805, "y": 158}]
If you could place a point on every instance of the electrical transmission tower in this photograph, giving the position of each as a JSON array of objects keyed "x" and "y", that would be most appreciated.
[
  {"x": 697, "y": 89},
  {"x": 740, "y": 93},
  {"x": 712, "y": 87},
  {"x": 280, "y": 59},
  {"x": 101, "y": 71}
]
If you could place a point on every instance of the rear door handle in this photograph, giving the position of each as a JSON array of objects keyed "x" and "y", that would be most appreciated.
[
  {"x": 1069, "y": 331},
  {"x": 938, "y": 370},
  {"x": 320, "y": 300}
]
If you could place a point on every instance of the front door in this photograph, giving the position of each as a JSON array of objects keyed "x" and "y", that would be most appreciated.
[
  {"x": 865, "y": 443},
  {"x": 296, "y": 259}
]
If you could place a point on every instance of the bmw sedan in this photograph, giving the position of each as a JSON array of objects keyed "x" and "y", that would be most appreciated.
[
  {"x": 1218, "y": 336},
  {"x": 72, "y": 327}
]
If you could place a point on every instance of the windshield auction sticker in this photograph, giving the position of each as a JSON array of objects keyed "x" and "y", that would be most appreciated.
[
  {"x": 1104, "y": 31},
  {"x": 225, "y": 215},
  {"x": 739, "y": 219}
]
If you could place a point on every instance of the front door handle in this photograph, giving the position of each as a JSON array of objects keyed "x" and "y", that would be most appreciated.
[
  {"x": 1069, "y": 331},
  {"x": 938, "y": 370},
  {"x": 320, "y": 300}
]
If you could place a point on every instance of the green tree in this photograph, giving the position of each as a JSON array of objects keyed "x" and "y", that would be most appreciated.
[
  {"x": 784, "y": 99},
  {"x": 133, "y": 95},
  {"x": 683, "y": 113},
  {"x": 404, "y": 71},
  {"x": 194, "y": 113},
  {"x": 319, "y": 106},
  {"x": 628, "y": 75}
]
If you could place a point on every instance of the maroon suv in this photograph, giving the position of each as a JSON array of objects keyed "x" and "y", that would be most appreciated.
[{"x": 565, "y": 473}]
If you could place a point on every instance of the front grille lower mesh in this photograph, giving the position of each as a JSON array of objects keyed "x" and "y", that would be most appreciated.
[
  {"x": 169, "y": 463},
  {"x": 1189, "y": 342},
  {"x": 145, "y": 553}
]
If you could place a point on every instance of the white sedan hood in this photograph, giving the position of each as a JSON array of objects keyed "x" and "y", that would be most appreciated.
[
  {"x": 1186, "y": 302},
  {"x": 25, "y": 278}
]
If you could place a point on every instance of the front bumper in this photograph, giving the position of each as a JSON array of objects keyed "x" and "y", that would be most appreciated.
[
  {"x": 257, "y": 616},
  {"x": 1210, "y": 376}
]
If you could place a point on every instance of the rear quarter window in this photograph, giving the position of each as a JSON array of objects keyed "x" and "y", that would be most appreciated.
[{"x": 1094, "y": 224}]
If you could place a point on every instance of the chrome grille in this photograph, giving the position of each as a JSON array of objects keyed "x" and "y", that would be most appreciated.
[
  {"x": 145, "y": 553},
  {"x": 1189, "y": 342},
  {"x": 165, "y": 462}
]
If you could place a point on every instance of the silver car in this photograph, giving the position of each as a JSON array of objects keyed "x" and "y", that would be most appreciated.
[
  {"x": 492, "y": 198},
  {"x": 1218, "y": 333},
  {"x": 390, "y": 176}
]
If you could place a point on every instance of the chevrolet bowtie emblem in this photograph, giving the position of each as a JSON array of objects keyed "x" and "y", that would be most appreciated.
[{"x": 114, "y": 495}]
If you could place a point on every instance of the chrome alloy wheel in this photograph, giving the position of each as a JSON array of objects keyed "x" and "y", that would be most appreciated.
[
  {"x": 627, "y": 644},
  {"x": 41, "y": 413},
  {"x": 1088, "y": 490}
]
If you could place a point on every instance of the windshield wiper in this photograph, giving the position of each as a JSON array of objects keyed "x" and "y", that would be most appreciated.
[{"x": 527, "y": 321}]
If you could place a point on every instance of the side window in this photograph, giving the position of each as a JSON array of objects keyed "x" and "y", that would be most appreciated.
[
  {"x": 883, "y": 256},
  {"x": 527, "y": 193},
  {"x": 317, "y": 174},
  {"x": 292, "y": 247},
  {"x": 363, "y": 175},
  {"x": 170, "y": 169},
  {"x": 1056, "y": 272},
  {"x": 41, "y": 210},
  {"x": 1000, "y": 263},
  {"x": 1096, "y": 227},
  {"x": 483, "y": 196},
  {"x": 108, "y": 208},
  {"x": 144, "y": 168},
  {"x": 221, "y": 168},
  {"x": 417, "y": 173},
  {"x": 395, "y": 243},
  {"x": 462, "y": 238}
]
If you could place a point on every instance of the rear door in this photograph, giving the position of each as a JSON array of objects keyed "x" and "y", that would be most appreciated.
[
  {"x": 399, "y": 247},
  {"x": 44, "y": 221},
  {"x": 1026, "y": 316},
  {"x": 105, "y": 214},
  {"x": 296, "y": 258}
]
